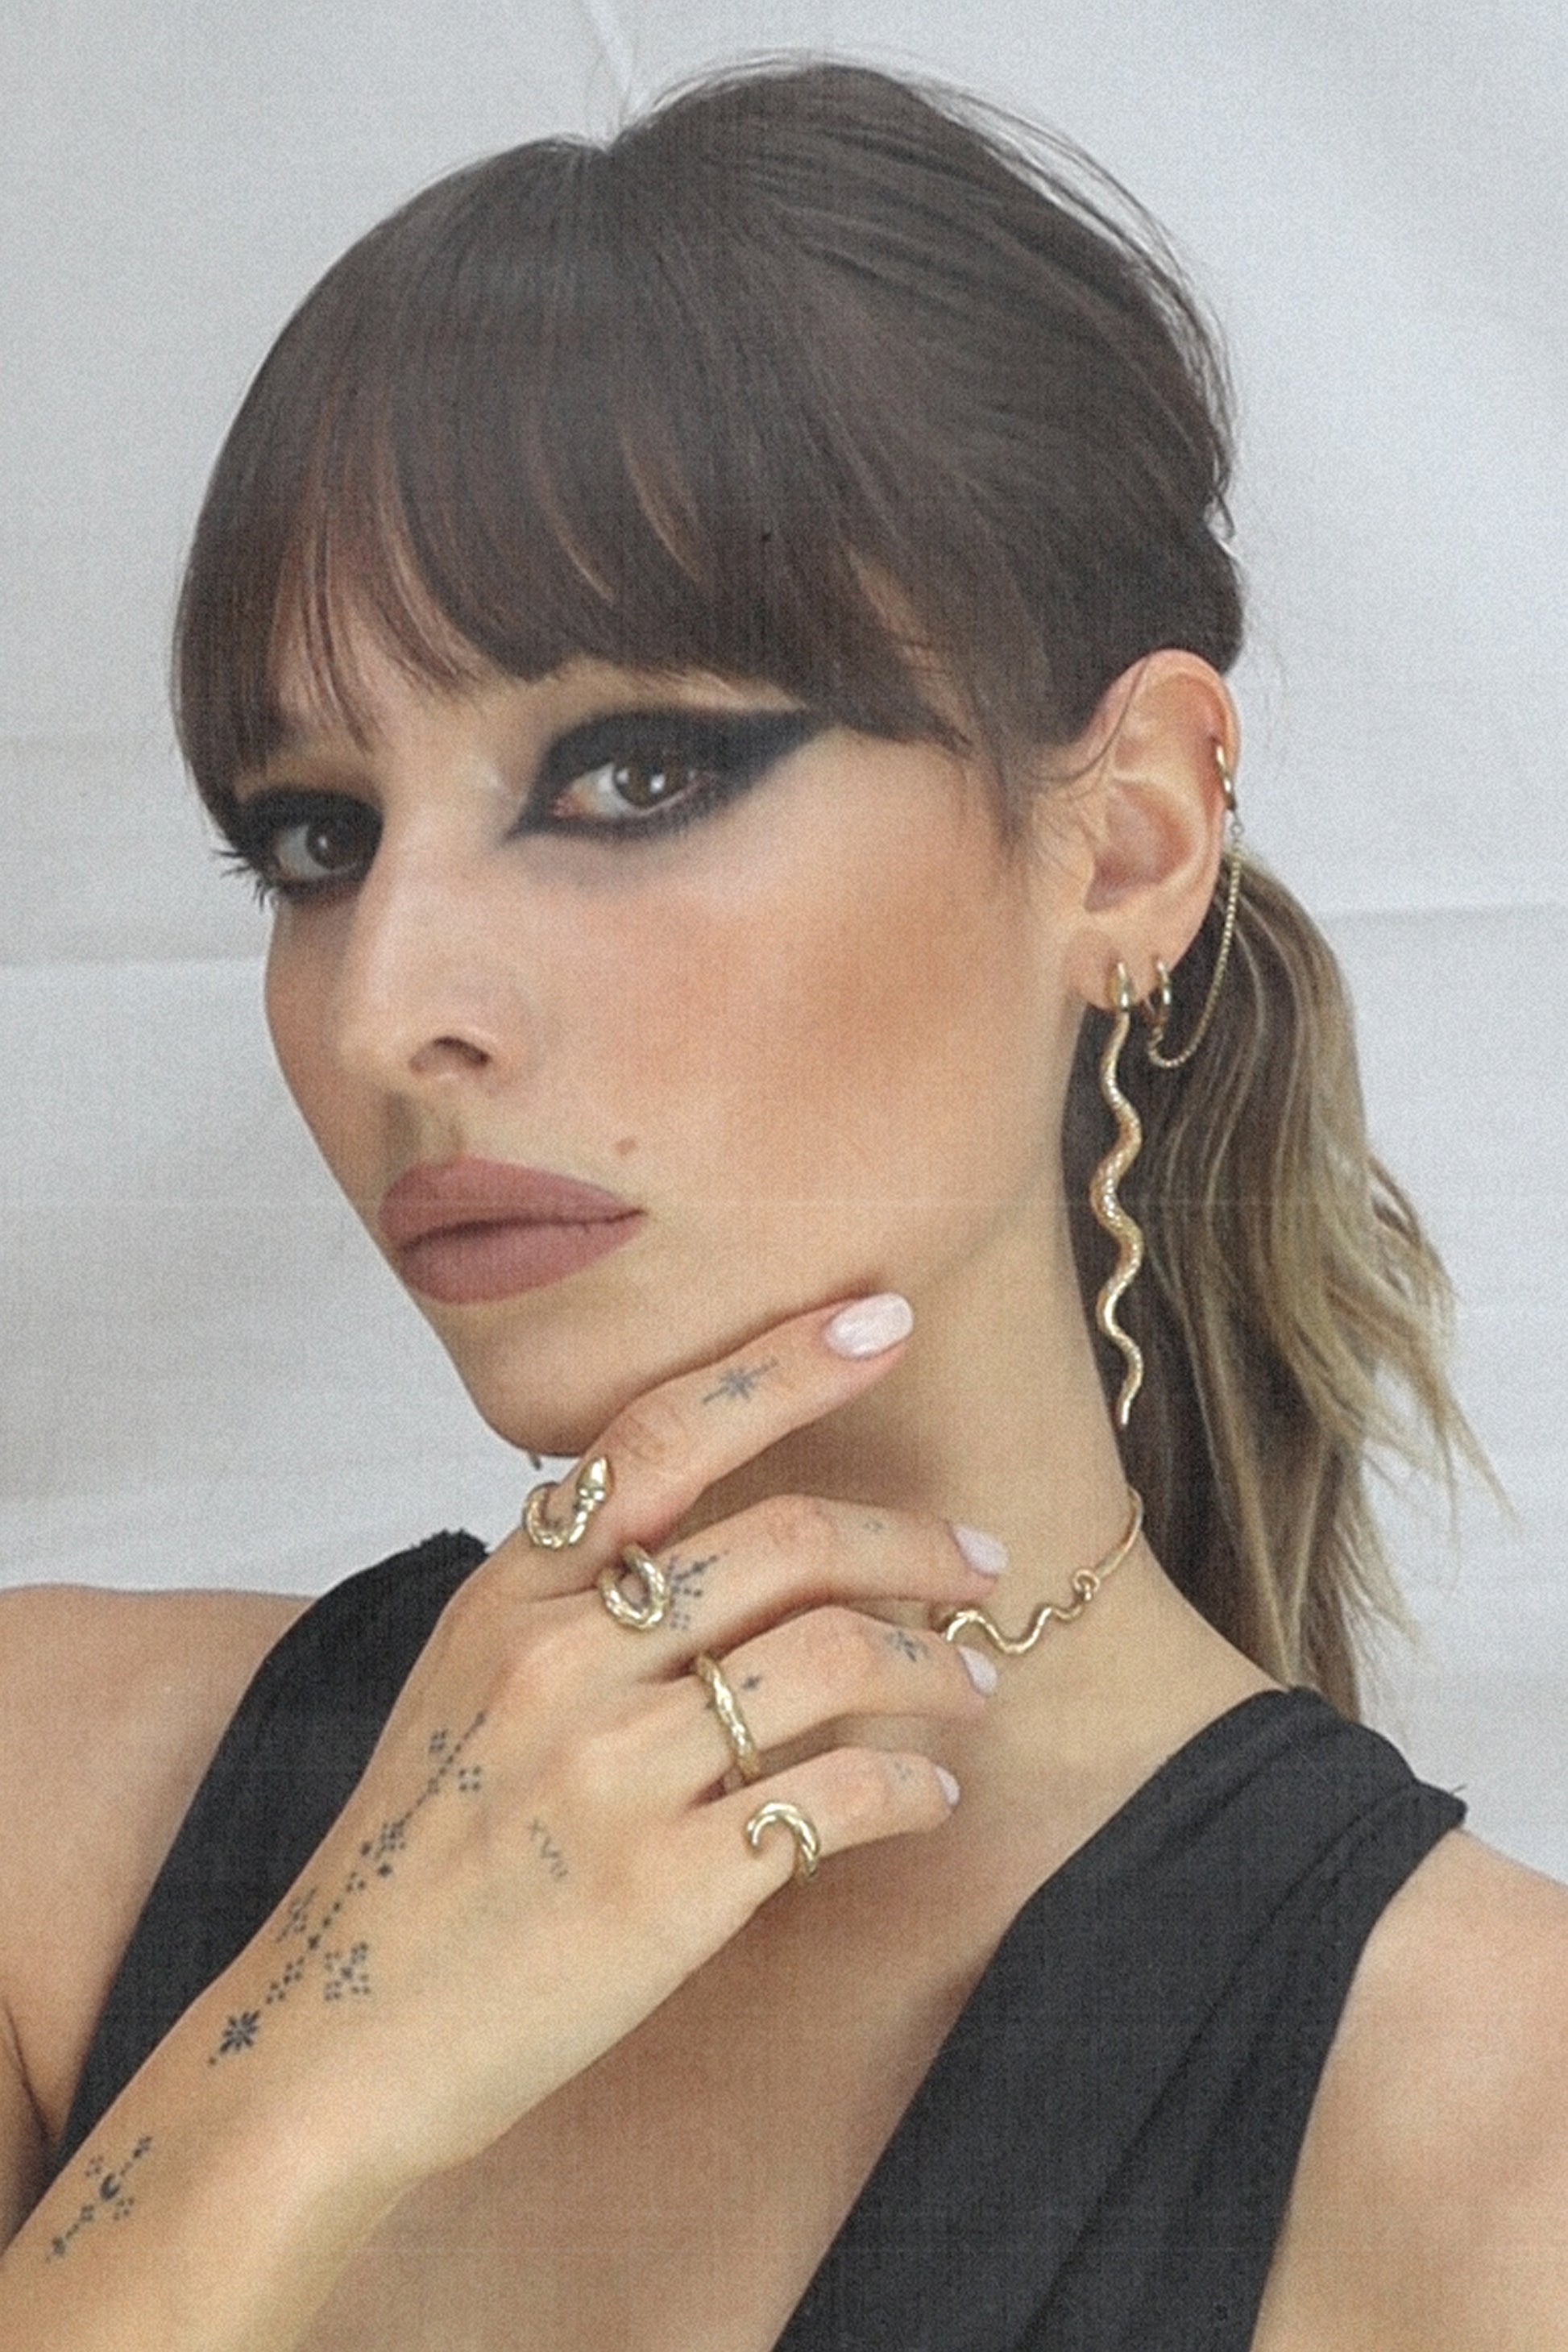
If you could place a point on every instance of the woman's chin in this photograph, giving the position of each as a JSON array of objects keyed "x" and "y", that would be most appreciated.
[
  {"x": 551, "y": 1382},
  {"x": 551, "y": 1385}
]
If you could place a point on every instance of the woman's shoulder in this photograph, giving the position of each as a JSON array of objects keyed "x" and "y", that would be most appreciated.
[
  {"x": 1430, "y": 2205},
  {"x": 111, "y": 1705}
]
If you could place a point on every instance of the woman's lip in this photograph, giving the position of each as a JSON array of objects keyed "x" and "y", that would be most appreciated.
[
  {"x": 436, "y": 1197},
  {"x": 458, "y": 1264}
]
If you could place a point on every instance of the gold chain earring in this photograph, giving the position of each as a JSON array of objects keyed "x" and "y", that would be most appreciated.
[
  {"x": 1157, "y": 1013},
  {"x": 1124, "y": 1230}
]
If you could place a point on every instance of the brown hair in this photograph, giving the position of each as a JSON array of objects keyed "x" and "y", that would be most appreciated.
[{"x": 697, "y": 398}]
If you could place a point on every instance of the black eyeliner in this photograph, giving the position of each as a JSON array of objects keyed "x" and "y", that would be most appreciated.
[
  {"x": 726, "y": 751},
  {"x": 252, "y": 823},
  {"x": 732, "y": 747},
  {"x": 252, "y": 826}
]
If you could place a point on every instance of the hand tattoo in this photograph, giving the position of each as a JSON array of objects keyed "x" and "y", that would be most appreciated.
[
  {"x": 307, "y": 1925},
  {"x": 550, "y": 1853},
  {"x": 685, "y": 1580}
]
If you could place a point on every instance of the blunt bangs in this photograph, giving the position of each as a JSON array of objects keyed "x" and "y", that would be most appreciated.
[
  {"x": 800, "y": 379},
  {"x": 530, "y": 419}
]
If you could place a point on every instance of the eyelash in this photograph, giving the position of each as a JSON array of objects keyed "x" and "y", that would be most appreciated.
[{"x": 728, "y": 754}]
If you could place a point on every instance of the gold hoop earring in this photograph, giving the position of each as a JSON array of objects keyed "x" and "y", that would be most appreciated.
[
  {"x": 1124, "y": 1228},
  {"x": 1157, "y": 1012}
]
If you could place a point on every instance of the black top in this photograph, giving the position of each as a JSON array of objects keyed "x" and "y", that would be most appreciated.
[{"x": 1100, "y": 2157}]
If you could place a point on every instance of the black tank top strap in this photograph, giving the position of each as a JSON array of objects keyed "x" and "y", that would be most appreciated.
[
  {"x": 1100, "y": 2156},
  {"x": 282, "y": 1773}
]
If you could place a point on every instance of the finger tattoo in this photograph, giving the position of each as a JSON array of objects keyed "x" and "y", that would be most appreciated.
[{"x": 741, "y": 1382}]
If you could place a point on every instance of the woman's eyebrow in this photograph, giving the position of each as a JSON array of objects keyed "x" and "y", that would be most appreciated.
[
  {"x": 290, "y": 739},
  {"x": 681, "y": 729}
]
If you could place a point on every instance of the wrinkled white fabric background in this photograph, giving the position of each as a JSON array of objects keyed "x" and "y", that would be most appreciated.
[{"x": 208, "y": 1377}]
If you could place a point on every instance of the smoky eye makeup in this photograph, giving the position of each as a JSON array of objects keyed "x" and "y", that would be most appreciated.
[
  {"x": 294, "y": 842},
  {"x": 626, "y": 776},
  {"x": 639, "y": 772}
]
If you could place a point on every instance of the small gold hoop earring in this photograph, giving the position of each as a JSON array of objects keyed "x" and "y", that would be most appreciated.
[
  {"x": 1124, "y": 1228},
  {"x": 1156, "y": 1010}
]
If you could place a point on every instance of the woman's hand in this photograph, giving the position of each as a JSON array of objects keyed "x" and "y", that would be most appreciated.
[{"x": 540, "y": 1849}]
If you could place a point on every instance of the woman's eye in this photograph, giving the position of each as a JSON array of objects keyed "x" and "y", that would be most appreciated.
[
  {"x": 621, "y": 791},
  {"x": 635, "y": 771},
  {"x": 298, "y": 844}
]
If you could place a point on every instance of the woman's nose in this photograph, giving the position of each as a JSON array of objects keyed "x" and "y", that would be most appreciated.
[{"x": 429, "y": 991}]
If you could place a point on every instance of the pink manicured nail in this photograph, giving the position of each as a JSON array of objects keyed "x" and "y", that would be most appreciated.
[
  {"x": 870, "y": 1325},
  {"x": 985, "y": 1554},
  {"x": 949, "y": 1785},
  {"x": 981, "y": 1670}
]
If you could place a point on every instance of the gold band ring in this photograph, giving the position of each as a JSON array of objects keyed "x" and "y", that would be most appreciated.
[
  {"x": 594, "y": 1484},
  {"x": 653, "y": 1608},
  {"x": 807, "y": 1844},
  {"x": 726, "y": 1707}
]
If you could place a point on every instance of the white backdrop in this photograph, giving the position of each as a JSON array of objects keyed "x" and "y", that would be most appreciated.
[{"x": 207, "y": 1376}]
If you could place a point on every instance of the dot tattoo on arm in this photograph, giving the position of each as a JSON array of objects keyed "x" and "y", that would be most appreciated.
[
  {"x": 308, "y": 1923},
  {"x": 106, "y": 2197}
]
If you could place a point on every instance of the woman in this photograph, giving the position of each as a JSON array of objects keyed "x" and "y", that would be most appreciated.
[{"x": 715, "y": 648}]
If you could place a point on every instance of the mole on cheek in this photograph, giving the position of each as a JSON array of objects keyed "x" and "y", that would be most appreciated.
[{"x": 628, "y": 1143}]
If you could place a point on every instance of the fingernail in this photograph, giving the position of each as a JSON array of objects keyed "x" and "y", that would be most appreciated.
[
  {"x": 870, "y": 1325},
  {"x": 949, "y": 1785},
  {"x": 981, "y": 1672},
  {"x": 985, "y": 1554}
]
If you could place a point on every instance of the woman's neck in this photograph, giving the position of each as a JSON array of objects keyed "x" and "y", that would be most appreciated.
[{"x": 996, "y": 1418}]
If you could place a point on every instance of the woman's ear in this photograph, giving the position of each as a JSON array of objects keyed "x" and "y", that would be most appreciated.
[{"x": 1146, "y": 812}]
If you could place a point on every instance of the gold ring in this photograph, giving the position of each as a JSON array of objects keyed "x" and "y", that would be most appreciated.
[
  {"x": 730, "y": 1716},
  {"x": 653, "y": 1606},
  {"x": 594, "y": 1484},
  {"x": 807, "y": 1844}
]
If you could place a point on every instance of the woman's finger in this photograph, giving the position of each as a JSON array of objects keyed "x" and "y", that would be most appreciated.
[
  {"x": 667, "y": 1446},
  {"x": 847, "y": 1797},
  {"x": 793, "y": 1552},
  {"x": 798, "y": 1678}
]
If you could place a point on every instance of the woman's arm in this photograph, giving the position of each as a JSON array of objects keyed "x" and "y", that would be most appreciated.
[
  {"x": 23, "y": 2157},
  {"x": 1429, "y": 2211},
  {"x": 199, "y": 2216},
  {"x": 533, "y": 1862}
]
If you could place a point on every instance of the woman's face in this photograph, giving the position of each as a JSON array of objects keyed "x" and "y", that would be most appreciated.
[{"x": 774, "y": 986}]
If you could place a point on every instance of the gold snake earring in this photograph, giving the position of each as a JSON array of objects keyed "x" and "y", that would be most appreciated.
[{"x": 1123, "y": 1230}]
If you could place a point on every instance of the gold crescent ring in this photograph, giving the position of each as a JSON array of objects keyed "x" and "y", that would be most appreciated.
[
  {"x": 727, "y": 1708},
  {"x": 594, "y": 1484},
  {"x": 776, "y": 1813},
  {"x": 653, "y": 1608}
]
